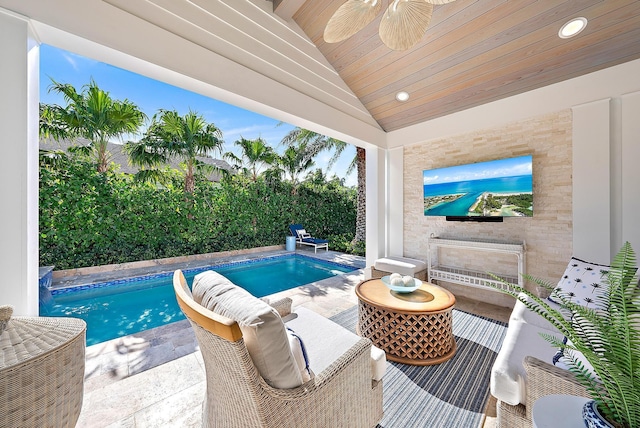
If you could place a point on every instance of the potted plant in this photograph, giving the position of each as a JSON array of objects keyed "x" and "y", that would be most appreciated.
[{"x": 606, "y": 334}]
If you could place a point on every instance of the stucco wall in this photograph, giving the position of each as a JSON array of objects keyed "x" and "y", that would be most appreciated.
[{"x": 548, "y": 234}]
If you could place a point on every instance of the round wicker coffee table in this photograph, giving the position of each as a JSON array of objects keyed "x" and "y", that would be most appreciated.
[{"x": 412, "y": 328}]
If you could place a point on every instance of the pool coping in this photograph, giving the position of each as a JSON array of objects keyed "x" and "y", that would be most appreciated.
[
  {"x": 223, "y": 264},
  {"x": 141, "y": 264},
  {"x": 84, "y": 278}
]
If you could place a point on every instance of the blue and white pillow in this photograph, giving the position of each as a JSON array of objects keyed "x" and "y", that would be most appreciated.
[
  {"x": 299, "y": 354},
  {"x": 582, "y": 283}
]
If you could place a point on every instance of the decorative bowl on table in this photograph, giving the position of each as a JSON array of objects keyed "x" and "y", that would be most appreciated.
[{"x": 403, "y": 285}]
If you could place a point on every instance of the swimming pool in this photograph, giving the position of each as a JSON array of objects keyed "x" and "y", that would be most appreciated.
[{"x": 119, "y": 308}]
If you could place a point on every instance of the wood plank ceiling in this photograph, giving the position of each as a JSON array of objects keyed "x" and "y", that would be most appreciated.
[{"x": 474, "y": 52}]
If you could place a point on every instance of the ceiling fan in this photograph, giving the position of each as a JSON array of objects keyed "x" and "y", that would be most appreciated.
[{"x": 402, "y": 25}]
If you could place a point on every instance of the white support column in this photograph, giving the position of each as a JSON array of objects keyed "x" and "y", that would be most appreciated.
[
  {"x": 19, "y": 165},
  {"x": 395, "y": 210},
  {"x": 376, "y": 185},
  {"x": 591, "y": 178},
  {"x": 630, "y": 188}
]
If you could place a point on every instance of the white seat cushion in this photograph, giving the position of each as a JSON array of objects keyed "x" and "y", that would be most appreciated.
[
  {"x": 326, "y": 341},
  {"x": 508, "y": 377},
  {"x": 401, "y": 265},
  {"x": 523, "y": 314},
  {"x": 262, "y": 328}
]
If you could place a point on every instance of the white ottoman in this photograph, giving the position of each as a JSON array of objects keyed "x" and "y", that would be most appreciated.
[{"x": 401, "y": 265}]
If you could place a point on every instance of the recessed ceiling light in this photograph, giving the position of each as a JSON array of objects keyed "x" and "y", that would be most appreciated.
[
  {"x": 572, "y": 27},
  {"x": 402, "y": 96}
]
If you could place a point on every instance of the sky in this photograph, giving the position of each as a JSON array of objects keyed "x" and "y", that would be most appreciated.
[
  {"x": 151, "y": 95},
  {"x": 511, "y": 167}
]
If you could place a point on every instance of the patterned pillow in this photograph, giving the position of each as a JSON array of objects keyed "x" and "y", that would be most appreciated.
[{"x": 582, "y": 282}]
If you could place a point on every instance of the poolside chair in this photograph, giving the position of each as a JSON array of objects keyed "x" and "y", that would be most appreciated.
[
  {"x": 260, "y": 374},
  {"x": 305, "y": 238}
]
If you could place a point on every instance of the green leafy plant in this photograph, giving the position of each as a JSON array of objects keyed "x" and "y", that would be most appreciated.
[
  {"x": 607, "y": 335},
  {"x": 89, "y": 218}
]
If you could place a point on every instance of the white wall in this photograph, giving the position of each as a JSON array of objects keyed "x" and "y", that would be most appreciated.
[
  {"x": 630, "y": 172},
  {"x": 606, "y": 177},
  {"x": 18, "y": 165},
  {"x": 376, "y": 202},
  {"x": 591, "y": 195},
  {"x": 395, "y": 202}
]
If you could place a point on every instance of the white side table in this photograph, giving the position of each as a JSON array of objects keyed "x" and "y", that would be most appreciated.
[{"x": 558, "y": 411}]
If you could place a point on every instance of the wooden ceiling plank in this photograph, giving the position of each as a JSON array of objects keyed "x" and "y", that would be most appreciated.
[
  {"x": 592, "y": 58},
  {"x": 481, "y": 39},
  {"x": 314, "y": 20},
  {"x": 285, "y": 9},
  {"x": 525, "y": 78},
  {"x": 352, "y": 48},
  {"x": 510, "y": 54},
  {"x": 368, "y": 61}
]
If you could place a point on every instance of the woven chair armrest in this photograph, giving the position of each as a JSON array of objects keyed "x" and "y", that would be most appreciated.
[
  {"x": 357, "y": 358},
  {"x": 546, "y": 379},
  {"x": 283, "y": 306}
]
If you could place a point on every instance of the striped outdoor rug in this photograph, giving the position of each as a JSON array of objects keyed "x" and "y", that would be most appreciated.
[{"x": 451, "y": 394}]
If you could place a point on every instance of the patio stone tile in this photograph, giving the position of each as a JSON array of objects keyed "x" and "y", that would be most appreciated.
[
  {"x": 180, "y": 410},
  {"x": 128, "y": 422},
  {"x": 119, "y": 400},
  {"x": 152, "y": 357}
]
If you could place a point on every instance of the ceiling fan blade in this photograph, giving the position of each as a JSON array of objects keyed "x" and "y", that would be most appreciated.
[
  {"x": 350, "y": 18},
  {"x": 404, "y": 23}
]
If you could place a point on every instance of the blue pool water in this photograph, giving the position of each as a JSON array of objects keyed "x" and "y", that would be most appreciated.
[{"x": 124, "y": 307}]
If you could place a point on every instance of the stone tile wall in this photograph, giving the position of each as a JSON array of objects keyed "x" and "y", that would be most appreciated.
[{"x": 548, "y": 234}]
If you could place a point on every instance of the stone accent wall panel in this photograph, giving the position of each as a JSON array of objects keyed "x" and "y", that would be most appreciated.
[{"x": 548, "y": 234}]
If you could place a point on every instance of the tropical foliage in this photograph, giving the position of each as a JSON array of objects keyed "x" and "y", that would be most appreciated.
[
  {"x": 94, "y": 215},
  {"x": 91, "y": 114},
  {"x": 89, "y": 218},
  {"x": 255, "y": 156},
  {"x": 608, "y": 335},
  {"x": 171, "y": 136},
  {"x": 314, "y": 144}
]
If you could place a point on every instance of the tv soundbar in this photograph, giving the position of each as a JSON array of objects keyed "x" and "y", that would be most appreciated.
[{"x": 493, "y": 219}]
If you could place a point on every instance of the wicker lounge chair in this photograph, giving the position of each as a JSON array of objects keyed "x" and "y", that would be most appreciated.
[
  {"x": 41, "y": 372},
  {"x": 341, "y": 395},
  {"x": 305, "y": 238}
]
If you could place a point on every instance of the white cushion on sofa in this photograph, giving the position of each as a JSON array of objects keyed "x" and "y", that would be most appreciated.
[
  {"x": 326, "y": 341},
  {"x": 262, "y": 328},
  {"x": 508, "y": 377},
  {"x": 523, "y": 314},
  {"x": 401, "y": 265}
]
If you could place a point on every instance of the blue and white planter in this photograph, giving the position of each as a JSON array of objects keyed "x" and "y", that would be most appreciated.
[{"x": 592, "y": 417}]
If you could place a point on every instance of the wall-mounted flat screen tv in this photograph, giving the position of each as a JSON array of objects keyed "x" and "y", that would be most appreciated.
[{"x": 484, "y": 190}]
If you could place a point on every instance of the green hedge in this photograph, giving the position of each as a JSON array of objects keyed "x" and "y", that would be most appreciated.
[{"x": 89, "y": 219}]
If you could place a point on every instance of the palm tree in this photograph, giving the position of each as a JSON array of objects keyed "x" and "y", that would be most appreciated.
[
  {"x": 91, "y": 114},
  {"x": 173, "y": 136},
  {"x": 318, "y": 143},
  {"x": 295, "y": 161},
  {"x": 255, "y": 155}
]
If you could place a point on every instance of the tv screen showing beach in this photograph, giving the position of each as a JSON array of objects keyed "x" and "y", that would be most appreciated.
[{"x": 499, "y": 188}]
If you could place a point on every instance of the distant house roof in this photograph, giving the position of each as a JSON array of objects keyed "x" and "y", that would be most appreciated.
[{"x": 120, "y": 158}]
